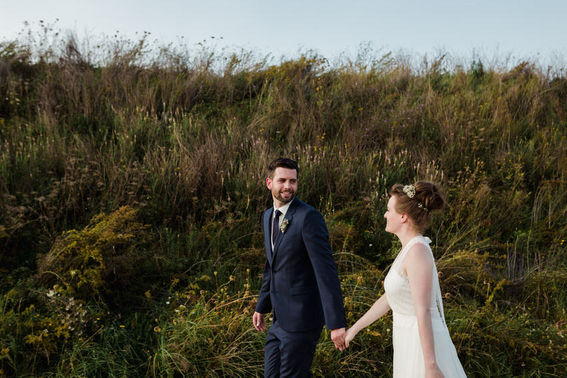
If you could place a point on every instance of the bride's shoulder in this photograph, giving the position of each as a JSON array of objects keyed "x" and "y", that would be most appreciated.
[
  {"x": 418, "y": 253},
  {"x": 418, "y": 248}
]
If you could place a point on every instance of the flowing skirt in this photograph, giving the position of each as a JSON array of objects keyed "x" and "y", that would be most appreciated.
[{"x": 408, "y": 356}]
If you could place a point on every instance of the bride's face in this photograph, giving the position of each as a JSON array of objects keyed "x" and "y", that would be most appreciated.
[{"x": 394, "y": 220}]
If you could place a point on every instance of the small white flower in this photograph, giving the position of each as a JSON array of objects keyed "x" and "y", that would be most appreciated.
[{"x": 409, "y": 190}]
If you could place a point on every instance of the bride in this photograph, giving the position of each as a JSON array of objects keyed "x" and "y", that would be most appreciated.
[{"x": 421, "y": 341}]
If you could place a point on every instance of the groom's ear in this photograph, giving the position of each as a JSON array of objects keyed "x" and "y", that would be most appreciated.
[{"x": 269, "y": 183}]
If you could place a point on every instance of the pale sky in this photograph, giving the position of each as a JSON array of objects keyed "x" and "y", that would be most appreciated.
[{"x": 522, "y": 28}]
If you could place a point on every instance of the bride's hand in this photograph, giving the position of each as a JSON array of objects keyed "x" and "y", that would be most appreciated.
[
  {"x": 349, "y": 336},
  {"x": 433, "y": 372}
]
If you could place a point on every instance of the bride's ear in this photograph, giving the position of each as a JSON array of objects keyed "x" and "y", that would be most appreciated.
[{"x": 404, "y": 218}]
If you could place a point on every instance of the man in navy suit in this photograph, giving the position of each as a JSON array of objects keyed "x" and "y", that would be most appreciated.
[{"x": 300, "y": 284}]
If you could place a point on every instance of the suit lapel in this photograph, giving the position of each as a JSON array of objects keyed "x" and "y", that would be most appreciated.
[
  {"x": 267, "y": 238},
  {"x": 288, "y": 216}
]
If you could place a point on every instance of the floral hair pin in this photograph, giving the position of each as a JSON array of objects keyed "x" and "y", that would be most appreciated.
[
  {"x": 409, "y": 190},
  {"x": 420, "y": 205}
]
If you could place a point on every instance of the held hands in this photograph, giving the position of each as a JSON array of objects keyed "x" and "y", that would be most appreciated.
[
  {"x": 342, "y": 338},
  {"x": 338, "y": 337},
  {"x": 350, "y": 334},
  {"x": 259, "y": 321}
]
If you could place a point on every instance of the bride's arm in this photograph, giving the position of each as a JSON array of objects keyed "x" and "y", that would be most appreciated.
[
  {"x": 419, "y": 268},
  {"x": 379, "y": 308}
]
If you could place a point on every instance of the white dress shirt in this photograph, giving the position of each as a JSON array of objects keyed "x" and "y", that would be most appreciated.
[{"x": 283, "y": 211}]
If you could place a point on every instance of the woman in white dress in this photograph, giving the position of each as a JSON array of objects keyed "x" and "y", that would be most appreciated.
[{"x": 421, "y": 341}]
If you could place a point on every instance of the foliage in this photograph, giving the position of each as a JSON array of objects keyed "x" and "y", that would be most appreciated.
[
  {"x": 130, "y": 173},
  {"x": 97, "y": 261}
]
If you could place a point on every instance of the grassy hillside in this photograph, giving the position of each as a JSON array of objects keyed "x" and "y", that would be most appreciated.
[{"x": 131, "y": 188}]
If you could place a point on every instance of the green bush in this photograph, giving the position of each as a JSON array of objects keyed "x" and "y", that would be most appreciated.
[{"x": 99, "y": 260}]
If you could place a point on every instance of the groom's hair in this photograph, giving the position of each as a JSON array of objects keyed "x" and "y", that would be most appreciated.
[{"x": 282, "y": 163}]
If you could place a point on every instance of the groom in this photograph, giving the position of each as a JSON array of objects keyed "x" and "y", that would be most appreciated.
[{"x": 300, "y": 284}]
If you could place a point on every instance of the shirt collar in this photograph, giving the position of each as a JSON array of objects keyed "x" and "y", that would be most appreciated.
[{"x": 284, "y": 208}]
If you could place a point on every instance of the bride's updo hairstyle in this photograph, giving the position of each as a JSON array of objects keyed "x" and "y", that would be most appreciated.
[{"x": 418, "y": 201}]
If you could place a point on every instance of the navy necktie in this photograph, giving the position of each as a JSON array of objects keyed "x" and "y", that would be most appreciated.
[{"x": 276, "y": 226}]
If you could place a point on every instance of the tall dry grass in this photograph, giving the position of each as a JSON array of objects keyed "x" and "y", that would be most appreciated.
[{"x": 183, "y": 138}]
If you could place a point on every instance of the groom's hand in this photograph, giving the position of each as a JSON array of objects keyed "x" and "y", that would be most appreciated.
[
  {"x": 259, "y": 321},
  {"x": 338, "y": 337}
]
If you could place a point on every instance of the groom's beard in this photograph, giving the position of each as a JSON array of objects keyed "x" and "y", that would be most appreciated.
[{"x": 285, "y": 199}]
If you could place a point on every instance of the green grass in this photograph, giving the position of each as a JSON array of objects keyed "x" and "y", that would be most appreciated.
[{"x": 132, "y": 185}]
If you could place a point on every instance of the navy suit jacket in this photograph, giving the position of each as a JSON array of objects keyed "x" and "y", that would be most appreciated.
[{"x": 300, "y": 283}]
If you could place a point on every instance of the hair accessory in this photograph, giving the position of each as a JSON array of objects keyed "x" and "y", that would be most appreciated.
[
  {"x": 420, "y": 205},
  {"x": 409, "y": 190}
]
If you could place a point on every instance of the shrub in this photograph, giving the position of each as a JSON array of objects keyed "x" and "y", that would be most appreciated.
[{"x": 99, "y": 260}]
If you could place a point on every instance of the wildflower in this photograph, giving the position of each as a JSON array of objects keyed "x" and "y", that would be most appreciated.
[{"x": 122, "y": 326}]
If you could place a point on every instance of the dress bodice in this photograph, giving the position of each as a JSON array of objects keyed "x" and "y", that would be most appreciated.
[{"x": 397, "y": 287}]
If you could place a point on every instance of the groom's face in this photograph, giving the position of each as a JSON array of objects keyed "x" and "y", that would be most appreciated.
[{"x": 283, "y": 185}]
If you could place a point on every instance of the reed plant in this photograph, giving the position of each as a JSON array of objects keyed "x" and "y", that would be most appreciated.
[{"x": 132, "y": 186}]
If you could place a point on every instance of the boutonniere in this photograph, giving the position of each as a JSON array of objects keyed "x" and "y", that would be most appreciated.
[{"x": 284, "y": 225}]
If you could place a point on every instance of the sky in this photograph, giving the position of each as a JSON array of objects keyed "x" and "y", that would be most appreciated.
[{"x": 497, "y": 28}]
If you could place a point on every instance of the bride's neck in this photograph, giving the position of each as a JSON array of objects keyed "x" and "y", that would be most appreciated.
[{"x": 406, "y": 235}]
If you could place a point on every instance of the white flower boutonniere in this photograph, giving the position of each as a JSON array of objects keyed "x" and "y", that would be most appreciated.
[{"x": 284, "y": 225}]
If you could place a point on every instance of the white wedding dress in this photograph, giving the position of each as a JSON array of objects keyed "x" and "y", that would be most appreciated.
[{"x": 408, "y": 356}]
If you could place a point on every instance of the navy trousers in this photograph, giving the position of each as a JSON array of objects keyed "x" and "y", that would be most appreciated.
[{"x": 289, "y": 354}]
